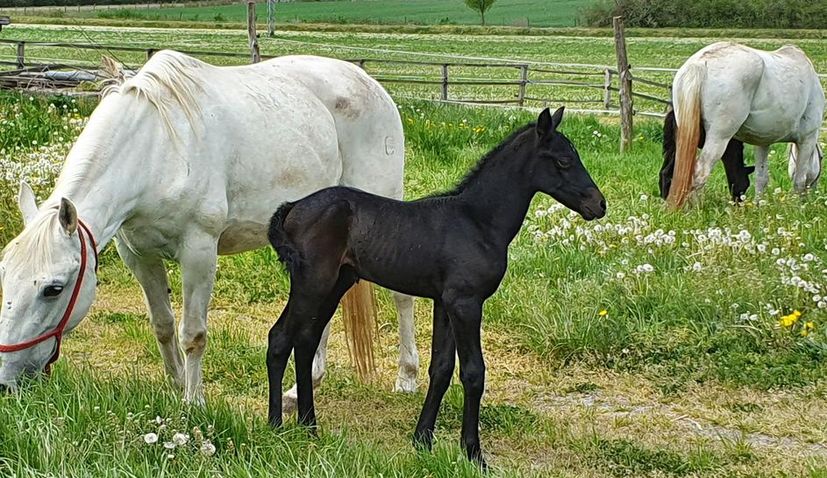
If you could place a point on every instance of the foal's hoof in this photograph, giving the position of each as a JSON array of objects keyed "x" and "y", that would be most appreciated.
[{"x": 423, "y": 441}]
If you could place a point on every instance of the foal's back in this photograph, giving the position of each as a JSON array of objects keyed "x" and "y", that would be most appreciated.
[{"x": 411, "y": 247}]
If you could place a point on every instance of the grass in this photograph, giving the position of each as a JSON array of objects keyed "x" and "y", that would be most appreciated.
[
  {"x": 348, "y": 44},
  {"x": 688, "y": 373},
  {"x": 523, "y": 13}
]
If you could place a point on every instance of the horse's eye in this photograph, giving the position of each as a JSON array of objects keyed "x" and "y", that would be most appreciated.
[
  {"x": 52, "y": 291},
  {"x": 563, "y": 163}
]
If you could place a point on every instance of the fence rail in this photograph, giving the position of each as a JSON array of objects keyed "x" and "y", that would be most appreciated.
[{"x": 520, "y": 84}]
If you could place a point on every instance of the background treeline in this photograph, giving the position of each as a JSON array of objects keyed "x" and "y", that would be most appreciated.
[
  {"x": 73, "y": 3},
  {"x": 710, "y": 13}
]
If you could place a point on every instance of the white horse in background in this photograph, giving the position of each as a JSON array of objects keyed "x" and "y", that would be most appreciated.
[
  {"x": 758, "y": 97},
  {"x": 185, "y": 161}
]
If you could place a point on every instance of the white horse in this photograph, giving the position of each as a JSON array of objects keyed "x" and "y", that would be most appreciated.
[
  {"x": 758, "y": 97},
  {"x": 186, "y": 161}
]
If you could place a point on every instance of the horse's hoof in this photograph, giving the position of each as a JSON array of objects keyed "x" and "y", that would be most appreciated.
[
  {"x": 288, "y": 404},
  {"x": 423, "y": 441},
  {"x": 195, "y": 400},
  {"x": 405, "y": 385}
]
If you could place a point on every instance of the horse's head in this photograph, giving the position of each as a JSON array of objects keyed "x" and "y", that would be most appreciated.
[
  {"x": 48, "y": 282},
  {"x": 560, "y": 173}
]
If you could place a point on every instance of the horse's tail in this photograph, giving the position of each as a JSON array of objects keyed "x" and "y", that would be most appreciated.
[
  {"x": 666, "y": 171},
  {"x": 359, "y": 313},
  {"x": 687, "y": 91},
  {"x": 288, "y": 254}
]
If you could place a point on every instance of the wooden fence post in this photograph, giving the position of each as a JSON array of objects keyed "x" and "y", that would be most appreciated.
[
  {"x": 523, "y": 83},
  {"x": 444, "y": 81},
  {"x": 607, "y": 89},
  {"x": 21, "y": 55},
  {"x": 251, "y": 31},
  {"x": 625, "y": 86}
]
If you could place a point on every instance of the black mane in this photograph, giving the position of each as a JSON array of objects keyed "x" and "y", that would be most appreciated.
[{"x": 496, "y": 152}]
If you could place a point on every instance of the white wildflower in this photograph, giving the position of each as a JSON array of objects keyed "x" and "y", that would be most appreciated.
[{"x": 151, "y": 438}]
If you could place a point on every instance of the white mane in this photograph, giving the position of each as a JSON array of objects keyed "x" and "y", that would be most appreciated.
[
  {"x": 34, "y": 245},
  {"x": 168, "y": 79}
]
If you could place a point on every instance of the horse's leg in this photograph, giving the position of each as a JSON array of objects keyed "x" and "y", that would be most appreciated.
[
  {"x": 713, "y": 150},
  {"x": 198, "y": 258},
  {"x": 807, "y": 165},
  {"x": 466, "y": 319},
  {"x": 307, "y": 334},
  {"x": 279, "y": 346},
  {"x": 443, "y": 352},
  {"x": 152, "y": 275},
  {"x": 319, "y": 363},
  {"x": 762, "y": 169},
  {"x": 408, "y": 355}
]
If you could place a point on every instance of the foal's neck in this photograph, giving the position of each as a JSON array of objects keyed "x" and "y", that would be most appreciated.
[{"x": 500, "y": 194}]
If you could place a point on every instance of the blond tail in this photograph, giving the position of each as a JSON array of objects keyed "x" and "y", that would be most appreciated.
[
  {"x": 359, "y": 311},
  {"x": 688, "y": 133}
]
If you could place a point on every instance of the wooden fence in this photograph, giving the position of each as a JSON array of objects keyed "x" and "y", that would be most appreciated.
[
  {"x": 525, "y": 82},
  {"x": 584, "y": 88}
]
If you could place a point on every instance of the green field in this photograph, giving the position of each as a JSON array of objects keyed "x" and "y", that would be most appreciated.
[
  {"x": 538, "y": 13},
  {"x": 649, "y": 343}
]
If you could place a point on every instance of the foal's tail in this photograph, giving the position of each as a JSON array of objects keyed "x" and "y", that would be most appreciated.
[
  {"x": 287, "y": 252},
  {"x": 687, "y": 90},
  {"x": 358, "y": 305},
  {"x": 359, "y": 313}
]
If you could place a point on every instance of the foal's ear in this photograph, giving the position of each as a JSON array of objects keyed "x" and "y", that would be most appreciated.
[
  {"x": 749, "y": 170},
  {"x": 26, "y": 202},
  {"x": 68, "y": 216},
  {"x": 548, "y": 123}
]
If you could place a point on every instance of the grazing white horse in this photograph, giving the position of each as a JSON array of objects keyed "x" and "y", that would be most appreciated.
[
  {"x": 755, "y": 96},
  {"x": 185, "y": 161}
]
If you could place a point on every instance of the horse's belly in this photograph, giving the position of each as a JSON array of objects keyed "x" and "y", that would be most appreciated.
[{"x": 242, "y": 236}]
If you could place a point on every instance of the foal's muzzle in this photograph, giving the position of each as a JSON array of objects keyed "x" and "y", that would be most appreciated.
[{"x": 594, "y": 206}]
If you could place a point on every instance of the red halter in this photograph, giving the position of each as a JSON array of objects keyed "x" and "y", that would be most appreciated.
[{"x": 57, "y": 332}]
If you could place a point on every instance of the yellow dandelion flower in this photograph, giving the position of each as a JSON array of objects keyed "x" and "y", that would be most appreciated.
[
  {"x": 789, "y": 320},
  {"x": 603, "y": 313}
]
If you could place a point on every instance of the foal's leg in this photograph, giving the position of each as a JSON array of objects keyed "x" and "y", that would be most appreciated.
[
  {"x": 443, "y": 352},
  {"x": 279, "y": 347},
  {"x": 762, "y": 169},
  {"x": 466, "y": 319},
  {"x": 307, "y": 335},
  {"x": 152, "y": 275},
  {"x": 408, "y": 355},
  {"x": 198, "y": 258},
  {"x": 319, "y": 362}
]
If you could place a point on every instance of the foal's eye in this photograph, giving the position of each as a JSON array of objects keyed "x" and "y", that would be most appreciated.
[
  {"x": 563, "y": 163},
  {"x": 52, "y": 291}
]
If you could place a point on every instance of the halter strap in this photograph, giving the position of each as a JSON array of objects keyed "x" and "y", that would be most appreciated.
[{"x": 57, "y": 332}]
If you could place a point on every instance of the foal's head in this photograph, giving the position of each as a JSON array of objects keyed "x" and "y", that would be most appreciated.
[{"x": 558, "y": 171}]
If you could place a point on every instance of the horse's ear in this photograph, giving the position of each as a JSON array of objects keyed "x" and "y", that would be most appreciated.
[
  {"x": 548, "y": 123},
  {"x": 544, "y": 127},
  {"x": 557, "y": 118},
  {"x": 68, "y": 216},
  {"x": 26, "y": 202}
]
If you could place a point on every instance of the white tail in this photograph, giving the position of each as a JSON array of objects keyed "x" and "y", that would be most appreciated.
[
  {"x": 359, "y": 313},
  {"x": 687, "y": 90}
]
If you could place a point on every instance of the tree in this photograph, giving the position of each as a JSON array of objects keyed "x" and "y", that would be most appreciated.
[{"x": 481, "y": 6}]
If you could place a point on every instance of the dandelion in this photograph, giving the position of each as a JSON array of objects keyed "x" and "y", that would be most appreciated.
[
  {"x": 207, "y": 448},
  {"x": 180, "y": 439},
  {"x": 808, "y": 257},
  {"x": 697, "y": 267},
  {"x": 790, "y": 319},
  {"x": 169, "y": 445},
  {"x": 151, "y": 438},
  {"x": 603, "y": 313}
]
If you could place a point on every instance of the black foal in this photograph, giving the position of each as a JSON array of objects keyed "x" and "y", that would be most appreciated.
[{"x": 451, "y": 248}]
